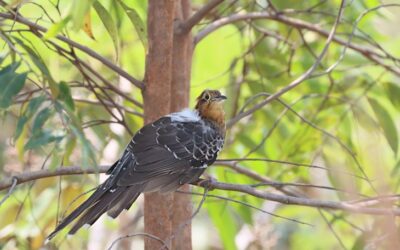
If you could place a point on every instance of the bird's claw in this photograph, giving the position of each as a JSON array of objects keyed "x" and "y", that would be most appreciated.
[{"x": 207, "y": 183}]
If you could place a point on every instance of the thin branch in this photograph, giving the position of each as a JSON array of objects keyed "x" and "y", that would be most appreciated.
[
  {"x": 76, "y": 45},
  {"x": 297, "y": 81},
  {"x": 248, "y": 205},
  {"x": 299, "y": 24},
  {"x": 45, "y": 173},
  {"x": 245, "y": 189},
  {"x": 13, "y": 185},
  {"x": 284, "y": 199},
  {"x": 187, "y": 25},
  {"x": 139, "y": 234}
]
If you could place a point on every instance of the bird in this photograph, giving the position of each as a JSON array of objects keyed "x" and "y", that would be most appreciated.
[{"x": 162, "y": 156}]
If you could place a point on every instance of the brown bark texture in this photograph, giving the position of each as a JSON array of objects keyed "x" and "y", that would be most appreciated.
[
  {"x": 168, "y": 63},
  {"x": 180, "y": 88}
]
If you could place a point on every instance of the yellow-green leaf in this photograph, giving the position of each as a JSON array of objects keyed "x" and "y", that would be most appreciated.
[
  {"x": 109, "y": 24},
  {"x": 56, "y": 28},
  {"x": 387, "y": 124},
  {"x": 137, "y": 23}
]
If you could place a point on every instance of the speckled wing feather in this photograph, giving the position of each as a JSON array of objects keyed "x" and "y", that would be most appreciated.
[
  {"x": 168, "y": 153},
  {"x": 162, "y": 156}
]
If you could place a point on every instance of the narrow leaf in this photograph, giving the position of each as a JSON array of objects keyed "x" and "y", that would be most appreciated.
[
  {"x": 56, "y": 28},
  {"x": 137, "y": 23},
  {"x": 109, "y": 24},
  {"x": 87, "y": 26},
  {"x": 224, "y": 223},
  {"x": 393, "y": 92},
  {"x": 387, "y": 124},
  {"x": 33, "y": 106},
  {"x": 40, "y": 119},
  {"x": 79, "y": 9},
  {"x": 41, "y": 139},
  {"x": 65, "y": 95},
  {"x": 10, "y": 84}
]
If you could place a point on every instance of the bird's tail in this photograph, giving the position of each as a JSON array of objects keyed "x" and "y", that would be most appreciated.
[{"x": 112, "y": 200}]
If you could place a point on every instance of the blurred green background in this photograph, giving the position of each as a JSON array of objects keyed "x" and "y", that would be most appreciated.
[{"x": 342, "y": 126}]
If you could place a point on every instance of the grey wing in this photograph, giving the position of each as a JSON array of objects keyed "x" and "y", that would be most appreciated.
[{"x": 165, "y": 155}]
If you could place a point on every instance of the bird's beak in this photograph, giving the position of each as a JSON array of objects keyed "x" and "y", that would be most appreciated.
[{"x": 221, "y": 98}]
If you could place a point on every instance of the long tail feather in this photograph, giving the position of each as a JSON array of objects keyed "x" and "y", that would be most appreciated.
[
  {"x": 113, "y": 199},
  {"x": 77, "y": 212}
]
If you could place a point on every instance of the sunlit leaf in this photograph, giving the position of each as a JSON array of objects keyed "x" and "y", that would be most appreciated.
[
  {"x": 38, "y": 61},
  {"x": 393, "y": 92},
  {"x": 387, "y": 124},
  {"x": 137, "y": 23},
  {"x": 79, "y": 9},
  {"x": 224, "y": 224},
  {"x": 109, "y": 24},
  {"x": 56, "y": 28},
  {"x": 396, "y": 168},
  {"x": 87, "y": 26}
]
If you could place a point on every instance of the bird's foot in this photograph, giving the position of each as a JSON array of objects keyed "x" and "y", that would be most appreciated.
[{"x": 206, "y": 183}]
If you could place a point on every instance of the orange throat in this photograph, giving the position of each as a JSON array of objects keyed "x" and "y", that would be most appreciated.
[{"x": 213, "y": 112}]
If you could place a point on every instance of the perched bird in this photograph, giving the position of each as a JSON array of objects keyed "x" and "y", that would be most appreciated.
[{"x": 162, "y": 156}]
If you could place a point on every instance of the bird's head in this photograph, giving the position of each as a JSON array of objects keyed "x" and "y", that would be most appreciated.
[{"x": 210, "y": 106}]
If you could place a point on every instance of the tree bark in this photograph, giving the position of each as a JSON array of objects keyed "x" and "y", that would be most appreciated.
[
  {"x": 158, "y": 208},
  {"x": 180, "y": 88},
  {"x": 168, "y": 68}
]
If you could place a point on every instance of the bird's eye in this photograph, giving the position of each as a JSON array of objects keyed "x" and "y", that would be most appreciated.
[{"x": 207, "y": 97}]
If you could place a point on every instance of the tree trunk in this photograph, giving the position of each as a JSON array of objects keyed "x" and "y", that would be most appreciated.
[
  {"x": 181, "y": 68},
  {"x": 167, "y": 89}
]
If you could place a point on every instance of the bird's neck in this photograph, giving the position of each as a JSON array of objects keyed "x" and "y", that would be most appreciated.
[{"x": 213, "y": 112}]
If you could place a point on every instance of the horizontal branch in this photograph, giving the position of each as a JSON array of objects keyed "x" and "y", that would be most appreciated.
[
  {"x": 85, "y": 49},
  {"x": 307, "y": 202},
  {"x": 349, "y": 206},
  {"x": 46, "y": 173}
]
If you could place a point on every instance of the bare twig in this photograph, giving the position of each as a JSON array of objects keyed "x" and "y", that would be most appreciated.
[
  {"x": 299, "y": 24},
  {"x": 76, "y": 45},
  {"x": 187, "y": 25},
  {"x": 45, "y": 173},
  {"x": 14, "y": 182},
  {"x": 139, "y": 234},
  {"x": 297, "y": 81}
]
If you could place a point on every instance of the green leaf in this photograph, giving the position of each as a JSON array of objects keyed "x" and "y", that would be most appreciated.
[
  {"x": 393, "y": 92},
  {"x": 40, "y": 119},
  {"x": 137, "y": 23},
  {"x": 69, "y": 148},
  {"x": 88, "y": 157},
  {"x": 10, "y": 84},
  {"x": 65, "y": 95},
  {"x": 38, "y": 61},
  {"x": 33, "y": 106},
  {"x": 387, "y": 124},
  {"x": 396, "y": 168},
  {"x": 78, "y": 11},
  {"x": 224, "y": 223},
  {"x": 56, "y": 158},
  {"x": 40, "y": 139},
  {"x": 109, "y": 23},
  {"x": 56, "y": 28}
]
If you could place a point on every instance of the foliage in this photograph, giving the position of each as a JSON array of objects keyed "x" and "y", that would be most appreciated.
[{"x": 61, "y": 106}]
